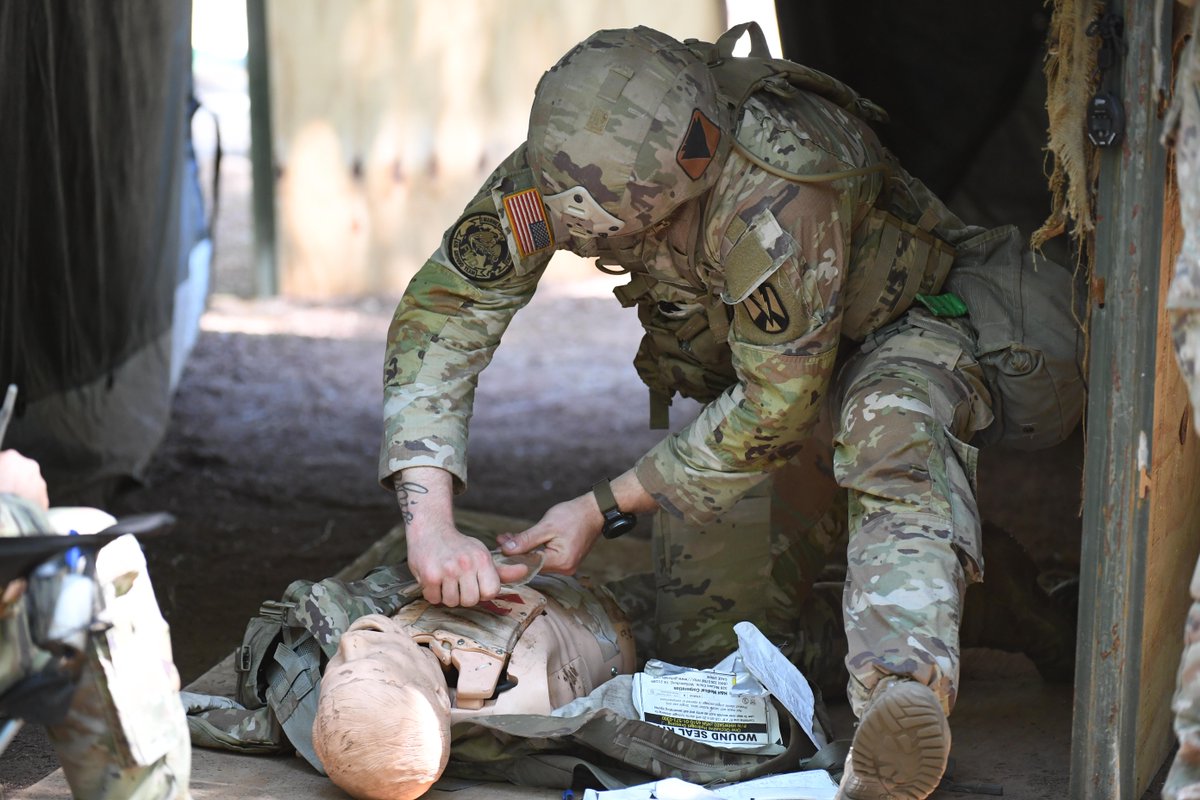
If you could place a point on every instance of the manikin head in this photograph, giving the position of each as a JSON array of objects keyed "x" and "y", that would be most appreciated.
[
  {"x": 382, "y": 729},
  {"x": 387, "y": 701}
]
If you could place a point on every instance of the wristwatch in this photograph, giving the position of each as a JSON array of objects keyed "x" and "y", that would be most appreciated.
[{"x": 616, "y": 522}]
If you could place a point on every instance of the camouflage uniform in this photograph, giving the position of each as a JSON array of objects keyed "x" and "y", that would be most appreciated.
[
  {"x": 746, "y": 294},
  {"x": 100, "y": 760},
  {"x": 1183, "y": 309}
]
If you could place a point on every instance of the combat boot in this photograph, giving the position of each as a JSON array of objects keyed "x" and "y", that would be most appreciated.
[{"x": 901, "y": 745}]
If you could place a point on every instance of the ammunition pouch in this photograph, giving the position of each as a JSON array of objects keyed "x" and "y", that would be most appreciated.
[
  {"x": 683, "y": 349},
  {"x": 894, "y": 262}
]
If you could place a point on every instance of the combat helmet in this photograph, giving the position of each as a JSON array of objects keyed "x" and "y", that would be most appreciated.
[{"x": 623, "y": 130}]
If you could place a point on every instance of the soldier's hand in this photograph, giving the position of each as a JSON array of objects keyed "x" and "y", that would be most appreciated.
[
  {"x": 23, "y": 477},
  {"x": 566, "y": 533},
  {"x": 13, "y": 591},
  {"x": 457, "y": 570}
]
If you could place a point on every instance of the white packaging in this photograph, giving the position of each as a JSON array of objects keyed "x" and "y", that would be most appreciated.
[{"x": 725, "y": 708}]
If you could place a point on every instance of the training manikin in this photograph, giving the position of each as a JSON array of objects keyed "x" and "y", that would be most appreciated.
[{"x": 396, "y": 684}]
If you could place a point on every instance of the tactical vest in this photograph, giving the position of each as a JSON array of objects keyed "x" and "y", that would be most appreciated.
[
  {"x": 900, "y": 244},
  {"x": 899, "y": 248}
]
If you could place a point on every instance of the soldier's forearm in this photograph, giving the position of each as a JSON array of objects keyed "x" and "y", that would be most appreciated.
[
  {"x": 425, "y": 496},
  {"x": 631, "y": 496}
]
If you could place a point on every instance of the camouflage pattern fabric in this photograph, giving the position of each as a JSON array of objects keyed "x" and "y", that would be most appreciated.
[
  {"x": 741, "y": 567},
  {"x": 1183, "y": 780},
  {"x": 1183, "y": 310},
  {"x": 709, "y": 577},
  {"x": 536, "y": 750},
  {"x": 907, "y": 407},
  {"x": 221, "y": 723},
  {"x": 96, "y": 757},
  {"x": 1183, "y": 295},
  {"x": 663, "y": 94},
  {"x": 770, "y": 253},
  {"x": 326, "y": 608},
  {"x": 18, "y": 655},
  {"x": 756, "y": 562},
  {"x": 323, "y": 609}
]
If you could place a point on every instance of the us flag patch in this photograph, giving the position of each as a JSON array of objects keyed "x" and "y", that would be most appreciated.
[{"x": 527, "y": 216}]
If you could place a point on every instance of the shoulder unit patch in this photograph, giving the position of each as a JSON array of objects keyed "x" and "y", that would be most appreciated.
[
  {"x": 478, "y": 248},
  {"x": 767, "y": 311}
]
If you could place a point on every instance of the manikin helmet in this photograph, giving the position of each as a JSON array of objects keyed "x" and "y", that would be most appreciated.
[{"x": 623, "y": 130}]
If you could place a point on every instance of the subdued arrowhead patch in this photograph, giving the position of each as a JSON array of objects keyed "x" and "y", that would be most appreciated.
[
  {"x": 767, "y": 311},
  {"x": 699, "y": 145}
]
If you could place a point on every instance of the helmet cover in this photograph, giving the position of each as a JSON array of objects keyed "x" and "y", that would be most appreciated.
[{"x": 623, "y": 130}]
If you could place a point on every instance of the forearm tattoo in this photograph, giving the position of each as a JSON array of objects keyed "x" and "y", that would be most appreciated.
[{"x": 405, "y": 496}]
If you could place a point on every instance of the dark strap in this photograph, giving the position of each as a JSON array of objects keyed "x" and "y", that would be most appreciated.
[
  {"x": 831, "y": 758},
  {"x": 729, "y": 39},
  {"x": 604, "y": 496}
]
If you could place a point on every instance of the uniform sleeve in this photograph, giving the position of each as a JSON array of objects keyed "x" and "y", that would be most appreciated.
[
  {"x": 445, "y": 331},
  {"x": 784, "y": 335}
]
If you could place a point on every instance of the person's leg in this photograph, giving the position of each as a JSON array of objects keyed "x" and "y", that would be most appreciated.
[
  {"x": 808, "y": 518},
  {"x": 1183, "y": 781},
  {"x": 908, "y": 403},
  {"x": 708, "y": 578},
  {"x": 125, "y": 736}
]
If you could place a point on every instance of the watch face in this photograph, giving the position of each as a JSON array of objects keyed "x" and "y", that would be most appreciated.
[{"x": 617, "y": 524}]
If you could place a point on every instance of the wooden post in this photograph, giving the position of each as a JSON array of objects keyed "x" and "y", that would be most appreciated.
[
  {"x": 261, "y": 152},
  {"x": 1108, "y": 759}
]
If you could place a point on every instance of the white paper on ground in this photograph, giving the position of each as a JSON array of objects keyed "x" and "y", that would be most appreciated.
[{"x": 808, "y": 785}]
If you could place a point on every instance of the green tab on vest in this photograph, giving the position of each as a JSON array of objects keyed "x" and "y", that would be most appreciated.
[{"x": 947, "y": 304}]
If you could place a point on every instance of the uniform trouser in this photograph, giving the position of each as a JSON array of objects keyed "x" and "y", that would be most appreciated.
[
  {"x": 1183, "y": 310},
  {"x": 99, "y": 759},
  {"x": 94, "y": 759},
  {"x": 1183, "y": 781},
  {"x": 907, "y": 407},
  {"x": 904, "y": 407},
  {"x": 755, "y": 562}
]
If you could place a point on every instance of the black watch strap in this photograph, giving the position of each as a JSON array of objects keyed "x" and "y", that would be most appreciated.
[
  {"x": 616, "y": 521},
  {"x": 605, "y": 498}
]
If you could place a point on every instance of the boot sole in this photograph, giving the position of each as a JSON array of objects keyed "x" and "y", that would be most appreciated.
[{"x": 903, "y": 742}]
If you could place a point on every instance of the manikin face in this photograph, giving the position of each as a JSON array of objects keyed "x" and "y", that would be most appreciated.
[{"x": 382, "y": 730}]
